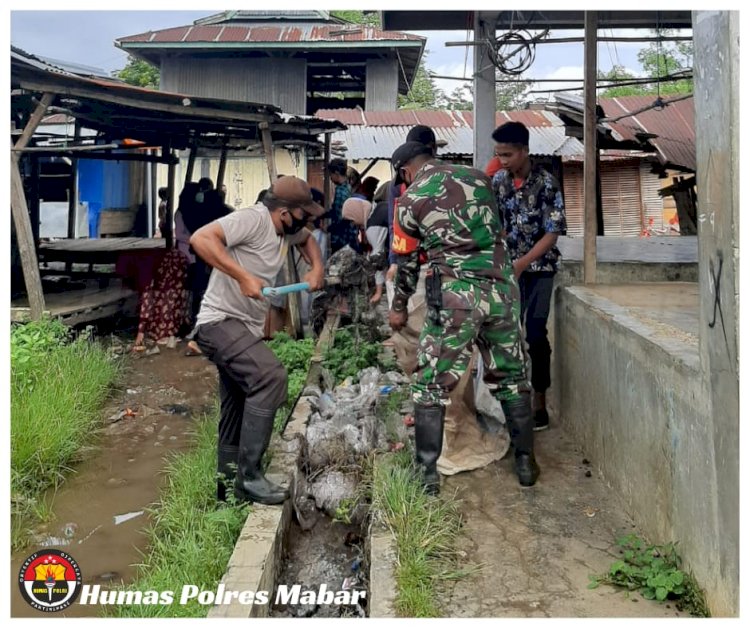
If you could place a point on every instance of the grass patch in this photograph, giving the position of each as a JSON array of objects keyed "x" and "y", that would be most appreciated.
[
  {"x": 58, "y": 386},
  {"x": 190, "y": 539},
  {"x": 295, "y": 355},
  {"x": 655, "y": 571},
  {"x": 425, "y": 529}
]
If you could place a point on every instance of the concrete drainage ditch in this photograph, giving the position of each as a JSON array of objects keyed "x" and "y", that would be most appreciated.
[{"x": 318, "y": 555}]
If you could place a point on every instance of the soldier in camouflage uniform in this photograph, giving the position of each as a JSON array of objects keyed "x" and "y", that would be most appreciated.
[{"x": 472, "y": 297}]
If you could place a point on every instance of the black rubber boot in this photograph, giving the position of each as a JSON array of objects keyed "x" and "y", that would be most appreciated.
[
  {"x": 226, "y": 469},
  {"x": 521, "y": 428},
  {"x": 428, "y": 436},
  {"x": 250, "y": 483}
]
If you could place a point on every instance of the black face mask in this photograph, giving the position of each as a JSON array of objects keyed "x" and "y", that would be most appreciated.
[{"x": 297, "y": 225}]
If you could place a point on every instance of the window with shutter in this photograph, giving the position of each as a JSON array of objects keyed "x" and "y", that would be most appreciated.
[{"x": 621, "y": 198}]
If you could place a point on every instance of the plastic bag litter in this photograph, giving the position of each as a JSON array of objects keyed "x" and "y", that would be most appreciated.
[
  {"x": 304, "y": 504},
  {"x": 331, "y": 488}
]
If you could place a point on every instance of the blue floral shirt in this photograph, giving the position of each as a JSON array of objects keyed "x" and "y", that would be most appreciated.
[{"x": 528, "y": 213}]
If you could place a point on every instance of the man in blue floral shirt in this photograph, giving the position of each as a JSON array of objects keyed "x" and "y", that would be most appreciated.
[{"x": 533, "y": 215}]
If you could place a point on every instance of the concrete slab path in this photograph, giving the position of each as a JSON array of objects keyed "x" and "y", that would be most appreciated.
[{"x": 538, "y": 545}]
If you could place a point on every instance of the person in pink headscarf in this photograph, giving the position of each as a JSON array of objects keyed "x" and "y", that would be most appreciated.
[{"x": 372, "y": 220}]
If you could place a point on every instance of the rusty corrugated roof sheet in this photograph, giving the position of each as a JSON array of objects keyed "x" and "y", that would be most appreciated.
[
  {"x": 308, "y": 33},
  {"x": 674, "y": 125}
]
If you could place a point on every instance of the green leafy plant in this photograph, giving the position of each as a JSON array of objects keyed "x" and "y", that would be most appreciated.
[
  {"x": 655, "y": 571},
  {"x": 349, "y": 354},
  {"x": 295, "y": 355},
  {"x": 344, "y": 510}
]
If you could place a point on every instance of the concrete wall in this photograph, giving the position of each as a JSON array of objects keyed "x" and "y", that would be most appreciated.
[
  {"x": 571, "y": 272},
  {"x": 381, "y": 91},
  {"x": 638, "y": 405},
  {"x": 716, "y": 37}
]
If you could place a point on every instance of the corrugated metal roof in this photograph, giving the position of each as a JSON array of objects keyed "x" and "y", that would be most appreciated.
[
  {"x": 674, "y": 125},
  {"x": 436, "y": 119},
  {"x": 379, "y": 141},
  {"x": 269, "y": 33}
]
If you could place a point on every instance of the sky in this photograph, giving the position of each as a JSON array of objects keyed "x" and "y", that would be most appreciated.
[{"x": 86, "y": 37}]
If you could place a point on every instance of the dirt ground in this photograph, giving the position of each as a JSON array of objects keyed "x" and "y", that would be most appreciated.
[{"x": 99, "y": 513}]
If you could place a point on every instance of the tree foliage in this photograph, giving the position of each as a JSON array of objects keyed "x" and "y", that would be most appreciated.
[
  {"x": 657, "y": 61},
  {"x": 423, "y": 93},
  {"x": 139, "y": 73},
  {"x": 509, "y": 95},
  {"x": 358, "y": 17}
]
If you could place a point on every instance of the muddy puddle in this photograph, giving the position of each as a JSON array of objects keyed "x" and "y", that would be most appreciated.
[{"x": 99, "y": 514}]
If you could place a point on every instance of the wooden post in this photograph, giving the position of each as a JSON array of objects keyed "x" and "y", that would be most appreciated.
[
  {"x": 168, "y": 234},
  {"x": 20, "y": 212},
  {"x": 25, "y": 239},
  {"x": 326, "y": 174},
  {"x": 32, "y": 196},
  {"x": 265, "y": 134},
  {"x": 369, "y": 167},
  {"x": 191, "y": 163},
  {"x": 154, "y": 200},
  {"x": 589, "y": 148},
  {"x": 73, "y": 200},
  {"x": 222, "y": 164}
]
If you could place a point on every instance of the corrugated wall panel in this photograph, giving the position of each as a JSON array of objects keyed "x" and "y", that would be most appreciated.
[
  {"x": 381, "y": 91},
  {"x": 280, "y": 82},
  {"x": 621, "y": 199},
  {"x": 573, "y": 186}
]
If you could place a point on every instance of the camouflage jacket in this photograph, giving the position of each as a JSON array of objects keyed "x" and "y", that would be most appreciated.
[
  {"x": 450, "y": 210},
  {"x": 530, "y": 212}
]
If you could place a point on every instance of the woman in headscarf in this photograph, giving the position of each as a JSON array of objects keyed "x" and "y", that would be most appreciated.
[{"x": 372, "y": 221}]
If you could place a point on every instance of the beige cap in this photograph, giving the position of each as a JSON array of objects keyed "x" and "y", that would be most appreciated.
[{"x": 296, "y": 192}]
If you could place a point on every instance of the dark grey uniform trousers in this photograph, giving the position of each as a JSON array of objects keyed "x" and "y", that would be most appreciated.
[{"x": 248, "y": 371}]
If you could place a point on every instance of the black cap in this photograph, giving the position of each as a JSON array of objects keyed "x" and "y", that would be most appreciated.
[
  {"x": 422, "y": 134},
  {"x": 408, "y": 151}
]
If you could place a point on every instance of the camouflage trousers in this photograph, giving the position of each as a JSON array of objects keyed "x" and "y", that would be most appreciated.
[{"x": 471, "y": 315}]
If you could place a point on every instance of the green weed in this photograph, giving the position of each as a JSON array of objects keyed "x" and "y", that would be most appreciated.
[{"x": 655, "y": 571}]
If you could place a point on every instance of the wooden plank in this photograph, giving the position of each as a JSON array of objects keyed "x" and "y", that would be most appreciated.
[
  {"x": 34, "y": 121},
  {"x": 589, "y": 148},
  {"x": 653, "y": 250},
  {"x": 76, "y": 306},
  {"x": 52, "y": 150},
  {"x": 110, "y": 96},
  {"x": 103, "y": 244}
]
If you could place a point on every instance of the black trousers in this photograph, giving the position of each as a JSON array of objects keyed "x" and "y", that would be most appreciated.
[
  {"x": 198, "y": 275},
  {"x": 248, "y": 371},
  {"x": 536, "y": 294}
]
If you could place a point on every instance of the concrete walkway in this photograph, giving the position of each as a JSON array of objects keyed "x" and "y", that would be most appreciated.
[{"x": 539, "y": 545}]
